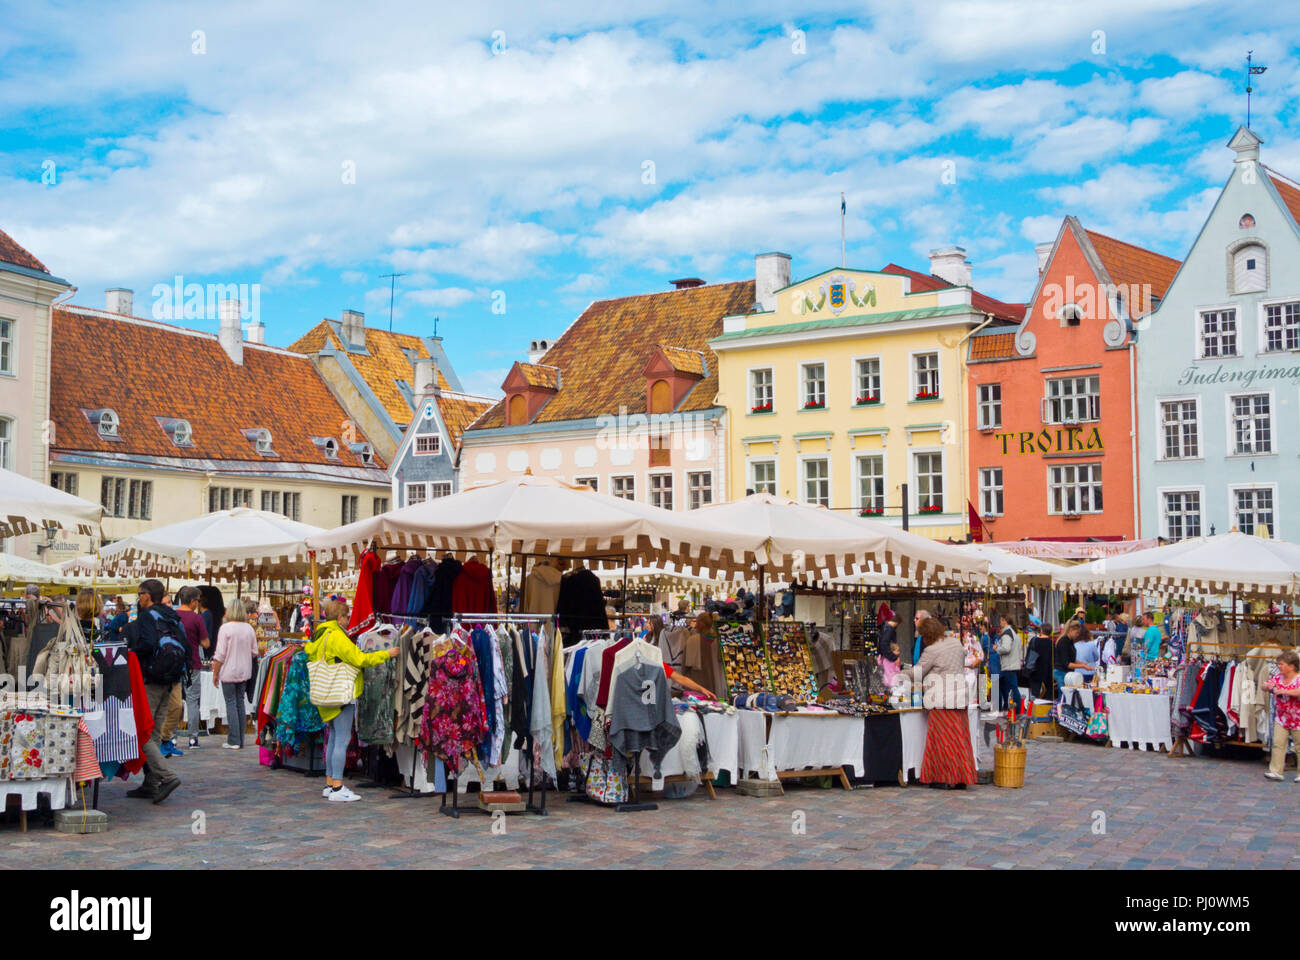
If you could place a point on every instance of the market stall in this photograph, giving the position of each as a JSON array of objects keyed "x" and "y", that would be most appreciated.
[{"x": 28, "y": 506}]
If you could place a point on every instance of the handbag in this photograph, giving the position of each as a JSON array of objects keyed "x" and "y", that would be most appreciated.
[
  {"x": 604, "y": 782},
  {"x": 1073, "y": 715},
  {"x": 331, "y": 684},
  {"x": 1099, "y": 722}
]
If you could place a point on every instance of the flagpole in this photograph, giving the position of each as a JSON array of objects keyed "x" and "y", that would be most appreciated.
[{"x": 843, "y": 210}]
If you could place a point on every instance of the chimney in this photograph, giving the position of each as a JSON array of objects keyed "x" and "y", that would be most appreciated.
[
  {"x": 230, "y": 335},
  {"x": 119, "y": 300},
  {"x": 950, "y": 263},
  {"x": 256, "y": 332},
  {"x": 354, "y": 328},
  {"x": 685, "y": 283},
  {"x": 1044, "y": 250},
  {"x": 771, "y": 273},
  {"x": 426, "y": 377},
  {"x": 537, "y": 349}
]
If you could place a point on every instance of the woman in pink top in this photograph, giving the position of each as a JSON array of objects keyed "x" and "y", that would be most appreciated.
[
  {"x": 232, "y": 665},
  {"x": 1286, "y": 731}
]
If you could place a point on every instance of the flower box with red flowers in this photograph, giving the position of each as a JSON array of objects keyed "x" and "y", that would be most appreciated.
[
  {"x": 864, "y": 401},
  {"x": 815, "y": 405},
  {"x": 871, "y": 512},
  {"x": 923, "y": 395},
  {"x": 762, "y": 408},
  {"x": 933, "y": 508}
]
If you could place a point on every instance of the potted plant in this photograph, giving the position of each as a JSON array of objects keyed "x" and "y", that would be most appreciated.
[
  {"x": 926, "y": 395},
  {"x": 871, "y": 512},
  {"x": 932, "y": 508},
  {"x": 866, "y": 399},
  {"x": 815, "y": 405},
  {"x": 761, "y": 408}
]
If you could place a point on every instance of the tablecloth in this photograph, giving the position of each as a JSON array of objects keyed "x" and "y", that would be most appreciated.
[
  {"x": 509, "y": 772},
  {"x": 733, "y": 740},
  {"x": 810, "y": 740},
  {"x": 1139, "y": 719},
  {"x": 58, "y": 789}
]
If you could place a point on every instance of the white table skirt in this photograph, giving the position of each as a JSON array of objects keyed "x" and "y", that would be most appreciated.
[
  {"x": 212, "y": 704},
  {"x": 800, "y": 741},
  {"x": 727, "y": 746},
  {"x": 915, "y": 724},
  {"x": 509, "y": 771},
  {"x": 1139, "y": 719},
  {"x": 58, "y": 789}
]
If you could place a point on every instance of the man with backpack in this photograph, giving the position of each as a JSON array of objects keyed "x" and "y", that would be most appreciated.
[{"x": 157, "y": 638}]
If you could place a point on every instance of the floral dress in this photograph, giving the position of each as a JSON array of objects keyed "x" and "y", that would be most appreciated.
[
  {"x": 455, "y": 713},
  {"x": 296, "y": 715}
]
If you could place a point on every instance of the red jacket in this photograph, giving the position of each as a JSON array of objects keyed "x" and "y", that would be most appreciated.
[{"x": 472, "y": 592}]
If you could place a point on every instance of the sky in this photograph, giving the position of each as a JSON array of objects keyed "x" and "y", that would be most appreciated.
[{"x": 515, "y": 163}]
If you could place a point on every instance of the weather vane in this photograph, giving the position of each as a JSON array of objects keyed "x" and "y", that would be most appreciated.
[{"x": 1251, "y": 71}]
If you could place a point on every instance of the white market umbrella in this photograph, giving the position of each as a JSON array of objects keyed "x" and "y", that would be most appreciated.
[
  {"x": 1227, "y": 563},
  {"x": 20, "y": 570},
  {"x": 27, "y": 506},
  {"x": 1007, "y": 569},
  {"x": 543, "y": 516},
  {"x": 226, "y": 543}
]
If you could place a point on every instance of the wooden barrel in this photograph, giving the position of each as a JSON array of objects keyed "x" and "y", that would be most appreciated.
[{"x": 1008, "y": 766}]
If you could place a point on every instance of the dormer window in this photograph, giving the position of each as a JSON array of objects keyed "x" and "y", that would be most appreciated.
[
  {"x": 182, "y": 434},
  {"x": 364, "y": 451},
  {"x": 261, "y": 438},
  {"x": 329, "y": 446},
  {"x": 106, "y": 423},
  {"x": 1249, "y": 269}
]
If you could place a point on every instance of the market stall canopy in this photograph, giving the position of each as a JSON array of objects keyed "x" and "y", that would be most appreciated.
[
  {"x": 799, "y": 538},
  {"x": 1007, "y": 569},
  {"x": 224, "y": 544},
  {"x": 20, "y": 570},
  {"x": 27, "y": 506},
  {"x": 666, "y": 575},
  {"x": 540, "y": 515},
  {"x": 1223, "y": 564}
]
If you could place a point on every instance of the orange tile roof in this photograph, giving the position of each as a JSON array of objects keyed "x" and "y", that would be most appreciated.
[
  {"x": 687, "y": 361},
  {"x": 386, "y": 363},
  {"x": 1287, "y": 190},
  {"x": 143, "y": 370},
  {"x": 11, "y": 252},
  {"x": 540, "y": 375},
  {"x": 1135, "y": 267},
  {"x": 459, "y": 411},
  {"x": 996, "y": 346},
  {"x": 602, "y": 355},
  {"x": 980, "y": 301}
]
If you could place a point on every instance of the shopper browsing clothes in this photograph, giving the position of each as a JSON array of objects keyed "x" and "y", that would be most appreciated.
[
  {"x": 157, "y": 638},
  {"x": 232, "y": 665},
  {"x": 948, "y": 760},
  {"x": 197, "y": 633},
  {"x": 331, "y": 644},
  {"x": 1008, "y": 647},
  {"x": 1285, "y": 688},
  {"x": 1065, "y": 656}
]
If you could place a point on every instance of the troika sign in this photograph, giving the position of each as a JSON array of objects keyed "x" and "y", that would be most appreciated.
[
  {"x": 1057, "y": 440},
  {"x": 1199, "y": 375}
]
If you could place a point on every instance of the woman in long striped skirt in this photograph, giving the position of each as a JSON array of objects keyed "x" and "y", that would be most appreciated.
[{"x": 949, "y": 759}]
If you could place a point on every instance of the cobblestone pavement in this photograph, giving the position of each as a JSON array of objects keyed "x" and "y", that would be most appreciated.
[{"x": 1159, "y": 813}]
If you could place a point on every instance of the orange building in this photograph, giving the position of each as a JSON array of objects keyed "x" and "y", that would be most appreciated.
[{"x": 1052, "y": 432}]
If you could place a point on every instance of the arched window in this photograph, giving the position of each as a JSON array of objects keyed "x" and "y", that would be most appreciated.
[
  {"x": 661, "y": 397},
  {"x": 517, "y": 413},
  {"x": 1250, "y": 269},
  {"x": 108, "y": 423}
]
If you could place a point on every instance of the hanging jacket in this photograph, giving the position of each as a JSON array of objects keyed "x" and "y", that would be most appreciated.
[
  {"x": 455, "y": 713},
  {"x": 581, "y": 605},
  {"x": 643, "y": 713},
  {"x": 363, "y": 605},
  {"x": 384, "y": 584},
  {"x": 472, "y": 591},
  {"x": 421, "y": 587},
  {"x": 438, "y": 606},
  {"x": 402, "y": 592}
]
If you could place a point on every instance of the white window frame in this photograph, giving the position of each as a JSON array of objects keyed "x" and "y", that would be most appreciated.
[
  {"x": 752, "y": 462},
  {"x": 1200, "y": 331},
  {"x": 1262, "y": 325},
  {"x": 1233, "y": 489},
  {"x": 985, "y": 490},
  {"x": 1162, "y": 451},
  {"x": 915, "y": 478},
  {"x": 856, "y": 384},
  {"x": 805, "y": 458},
  {"x": 436, "y": 438},
  {"x": 8, "y": 441},
  {"x": 139, "y": 499},
  {"x": 689, "y": 490},
  {"x": 588, "y": 481},
  {"x": 12, "y": 341},
  {"x": 117, "y": 508},
  {"x": 65, "y": 487},
  {"x": 650, "y": 489},
  {"x": 914, "y": 379},
  {"x": 1162, "y": 507},
  {"x": 1091, "y": 465},
  {"x": 355, "y": 504},
  {"x": 378, "y": 506},
  {"x": 858, "y": 502},
  {"x": 751, "y": 395},
  {"x": 613, "y": 485},
  {"x": 1074, "y": 398},
  {"x": 804, "y": 397},
  {"x": 1230, "y": 414},
  {"x": 422, "y": 487},
  {"x": 984, "y": 407},
  {"x": 439, "y": 489}
]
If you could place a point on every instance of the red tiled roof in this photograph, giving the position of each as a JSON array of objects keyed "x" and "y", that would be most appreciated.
[
  {"x": 458, "y": 412},
  {"x": 540, "y": 375},
  {"x": 143, "y": 370},
  {"x": 997, "y": 346},
  {"x": 1135, "y": 268},
  {"x": 980, "y": 301},
  {"x": 602, "y": 356},
  {"x": 685, "y": 361},
  {"x": 11, "y": 252},
  {"x": 1290, "y": 195}
]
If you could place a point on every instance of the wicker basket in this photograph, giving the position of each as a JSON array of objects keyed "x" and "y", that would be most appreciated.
[{"x": 1008, "y": 766}]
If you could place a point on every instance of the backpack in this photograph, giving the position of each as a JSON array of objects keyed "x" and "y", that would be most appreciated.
[{"x": 167, "y": 659}]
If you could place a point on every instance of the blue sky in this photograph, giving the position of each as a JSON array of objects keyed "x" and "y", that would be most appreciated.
[{"x": 573, "y": 153}]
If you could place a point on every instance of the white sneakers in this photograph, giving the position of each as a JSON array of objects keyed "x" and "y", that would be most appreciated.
[
  {"x": 231, "y": 746},
  {"x": 341, "y": 795},
  {"x": 1275, "y": 776}
]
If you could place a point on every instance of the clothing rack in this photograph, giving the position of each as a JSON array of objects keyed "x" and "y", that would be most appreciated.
[{"x": 395, "y": 619}]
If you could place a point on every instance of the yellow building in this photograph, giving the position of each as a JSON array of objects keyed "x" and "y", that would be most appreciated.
[{"x": 843, "y": 387}]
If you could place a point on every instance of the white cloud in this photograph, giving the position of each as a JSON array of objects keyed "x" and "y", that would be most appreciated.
[
  {"x": 485, "y": 382},
  {"x": 1189, "y": 93},
  {"x": 1067, "y": 148},
  {"x": 1119, "y": 187},
  {"x": 440, "y": 297}
]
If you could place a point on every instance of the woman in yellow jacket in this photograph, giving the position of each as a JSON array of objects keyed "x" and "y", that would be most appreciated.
[{"x": 329, "y": 642}]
